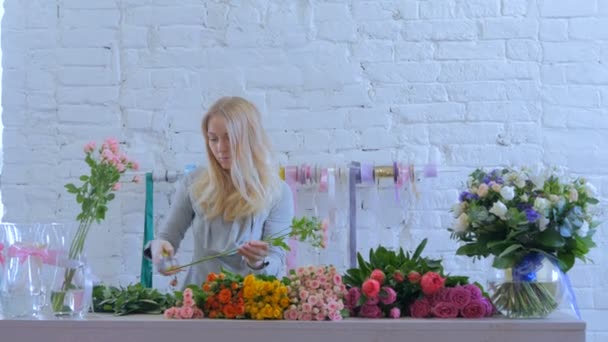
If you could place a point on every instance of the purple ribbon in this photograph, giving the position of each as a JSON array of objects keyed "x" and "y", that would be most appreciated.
[{"x": 367, "y": 174}]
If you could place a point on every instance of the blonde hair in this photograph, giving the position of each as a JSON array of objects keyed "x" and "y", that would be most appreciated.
[{"x": 252, "y": 181}]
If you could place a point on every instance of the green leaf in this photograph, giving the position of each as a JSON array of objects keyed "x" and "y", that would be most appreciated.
[
  {"x": 110, "y": 197},
  {"x": 550, "y": 238},
  {"x": 71, "y": 188},
  {"x": 566, "y": 260},
  {"x": 506, "y": 261},
  {"x": 419, "y": 249},
  {"x": 592, "y": 200},
  {"x": 470, "y": 249},
  {"x": 509, "y": 250},
  {"x": 84, "y": 178}
]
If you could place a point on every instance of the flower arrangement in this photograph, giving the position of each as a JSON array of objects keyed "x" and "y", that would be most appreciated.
[
  {"x": 187, "y": 308},
  {"x": 265, "y": 297},
  {"x": 390, "y": 282},
  {"x": 224, "y": 296},
  {"x": 522, "y": 217},
  {"x": 315, "y": 293},
  {"x": 106, "y": 164},
  {"x": 465, "y": 301}
]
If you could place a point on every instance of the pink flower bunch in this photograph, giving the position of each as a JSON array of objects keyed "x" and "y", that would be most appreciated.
[
  {"x": 110, "y": 154},
  {"x": 315, "y": 293},
  {"x": 461, "y": 301},
  {"x": 188, "y": 309},
  {"x": 375, "y": 299}
]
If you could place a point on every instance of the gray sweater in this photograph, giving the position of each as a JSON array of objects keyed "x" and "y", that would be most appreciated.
[{"x": 216, "y": 235}]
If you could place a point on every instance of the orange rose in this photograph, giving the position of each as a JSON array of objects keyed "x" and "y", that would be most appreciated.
[{"x": 224, "y": 296}]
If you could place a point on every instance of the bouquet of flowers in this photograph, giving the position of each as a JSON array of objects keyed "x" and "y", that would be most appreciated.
[
  {"x": 390, "y": 282},
  {"x": 107, "y": 164},
  {"x": 464, "y": 301},
  {"x": 265, "y": 297},
  {"x": 224, "y": 296},
  {"x": 315, "y": 293},
  {"x": 189, "y": 307},
  {"x": 523, "y": 217}
]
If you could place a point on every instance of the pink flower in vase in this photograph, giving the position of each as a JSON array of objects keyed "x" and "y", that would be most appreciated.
[{"x": 90, "y": 147}]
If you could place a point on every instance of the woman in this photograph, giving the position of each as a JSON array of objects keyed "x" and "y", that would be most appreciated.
[{"x": 236, "y": 202}]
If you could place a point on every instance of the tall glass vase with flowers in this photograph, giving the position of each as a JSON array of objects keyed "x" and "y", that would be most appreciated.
[
  {"x": 107, "y": 164},
  {"x": 535, "y": 222}
]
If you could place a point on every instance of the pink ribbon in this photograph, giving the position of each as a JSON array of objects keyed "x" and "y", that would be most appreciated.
[
  {"x": 1, "y": 254},
  {"x": 291, "y": 177},
  {"x": 22, "y": 253}
]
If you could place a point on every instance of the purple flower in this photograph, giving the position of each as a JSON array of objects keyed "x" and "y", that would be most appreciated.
[
  {"x": 532, "y": 215},
  {"x": 474, "y": 290},
  {"x": 489, "y": 306},
  {"x": 467, "y": 196},
  {"x": 352, "y": 297}
]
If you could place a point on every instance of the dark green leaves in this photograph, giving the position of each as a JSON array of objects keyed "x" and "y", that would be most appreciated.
[{"x": 130, "y": 300}]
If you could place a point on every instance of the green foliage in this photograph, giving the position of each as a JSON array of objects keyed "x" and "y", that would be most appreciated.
[{"x": 131, "y": 300}]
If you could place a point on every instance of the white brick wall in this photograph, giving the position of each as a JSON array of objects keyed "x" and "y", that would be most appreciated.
[{"x": 463, "y": 83}]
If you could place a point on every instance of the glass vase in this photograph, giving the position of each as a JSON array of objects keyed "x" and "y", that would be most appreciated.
[
  {"x": 531, "y": 289},
  {"x": 26, "y": 269}
]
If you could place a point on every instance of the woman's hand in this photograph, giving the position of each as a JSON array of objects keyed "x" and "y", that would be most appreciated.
[
  {"x": 162, "y": 254},
  {"x": 254, "y": 252}
]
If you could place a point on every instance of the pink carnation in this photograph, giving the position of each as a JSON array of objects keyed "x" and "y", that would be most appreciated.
[
  {"x": 371, "y": 288},
  {"x": 459, "y": 296},
  {"x": 445, "y": 310},
  {"x": 474, "y": 309},
  {"x": 421, "y": 308},
  {"x": 395, "y": 313}
]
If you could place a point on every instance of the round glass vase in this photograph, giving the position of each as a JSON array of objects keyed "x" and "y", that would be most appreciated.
[{"x": 531, "y": 289}]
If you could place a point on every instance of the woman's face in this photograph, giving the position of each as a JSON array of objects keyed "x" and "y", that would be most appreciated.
[{"x": 219, "y": 143}]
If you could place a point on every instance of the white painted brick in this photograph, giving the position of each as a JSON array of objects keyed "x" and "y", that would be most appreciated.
[
  {"x": 87, "y": 95},
  {"x": 502, "y": 111},
  {"x": 359, "y": 118},
  {"x": 478, "y": 8},
  {"x": 553, "y": 30},
  {"x": 464, "y": 133},
  {"x": 412, "y": 93},
  {"x": 343, "y": 139},
  {"x": 439, "y": 30},
  {"x": 216, "y": 15},
  {"x": 515, "y": 7},
  {"x": 402, "y": 72},
  {"x": 83, "y": 76},
  {"x": 587, "y": 73},
  {"x": 588, "y": 29},
  {"x": 273, "y": 77},
  {"x": 95, "y": 38},
  {"x": 37, "y": 79},
  {"x": 180, "y": 36},
  {"x": 571, "y": 52},
  {"x": 576, "y": 117},
  {"x": 576, "y": 96},
  {"x": 385, "y": 10},
  {"x": 337, "y": 31},
  {"x": 41, "y": 14},
  {"x": 470, "y": 50},
  {"x": 380, "y": 30},
  {"x": 284, "y": 141},
  {"x": 171, "y": 78},
  {"x": 316, "y": 140},
  {"x": 331, "y": 11},
  {"x": 335, "y": 75},
  {"x": 409, "y": 51},
  {"x": 84, "y": 57},
  {"x": 98, "y": 18},
  {"x": 165, "y": 15},
  {"x": 413, "y": 134},
  {"x": 437, "y": 9},
  {"x": 509, "y": 28},
  {"x": 523, "y": 90},
  {"x": 567, "y": 8},
  {"x": 476, "y": 91},
  {"x": 432, "y": 112},
  {"x": 87, "y": 114},
  {"x": 246, "y": 57},
  {"x": 523, "y": 50},
  {"x": 173, "y": 58},
  {"x": 373, "y": 50},
  {"x": 554, "y": 74},
  {"x": 478, "y": 71}
]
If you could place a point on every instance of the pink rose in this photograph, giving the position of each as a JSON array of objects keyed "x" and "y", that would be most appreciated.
[
  {"x": 320, "y": 317},
  {"x": 421, "y": 308},
  {"x": 439, "y": 296},
  {"x": 445, "y": 310},
  {"x": 305, "y": 316},
  {"x": 352, "y": 297},
  {"x": 378, "y": 275},
  {"x": 431, "y": 282},
  {"x": 186, "y": 312},
  {"x": 394, "y": 313},
  {"x": 370, "y": 311},
  {"x": 388, "y": 295},
  {"x": 459, "y": 296},
  {"x": 489, "y": 306},
  {"x": 398, "y": 277},
  {"x": 188, "y": 302},
  {"x": 474, "y": 309},
  {"x": 337, "y": 279},
  {"x": 290, "y": 314},
  {"x": 198, "y": 313},
  {"x": 304, "y": 294},
  {"x": 335, "y": 316},
  {"x": 372, "y": 301},
  {"x": 413, "y": 277},
  {"x": 169, "y": 313},
  {"x": 474, "y": 290},
  {"x": 371, "y": 288}
]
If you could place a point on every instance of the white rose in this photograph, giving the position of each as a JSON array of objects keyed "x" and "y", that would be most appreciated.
[
  {"x": 540, "y": 204},
  {"x": 499, "y": 209},
  {"x": 542, "y": 223},
  {"x": 482, "y": 191},
  {"x": 461, "y": 223},
  {"x": 495, "y": 186},
  {"x": 573, "y": 195},
  {"x": 458, "y": 208},
  {"x": 590, "y": 190},
  {"x": 524, "y": 198},
  {"x": 508, "y": 193},
  {"x": 583, "y": 230},
  {"x": 554, "y": 198}
]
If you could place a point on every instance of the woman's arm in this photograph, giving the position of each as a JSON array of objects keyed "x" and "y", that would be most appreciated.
[{"x": 278, "y": 222}]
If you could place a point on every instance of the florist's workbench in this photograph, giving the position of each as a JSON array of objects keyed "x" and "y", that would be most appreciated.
[{"x": 153, "y": 328}]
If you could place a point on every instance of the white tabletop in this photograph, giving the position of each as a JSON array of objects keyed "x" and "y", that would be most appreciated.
[{"x": 152, "y": 328}]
